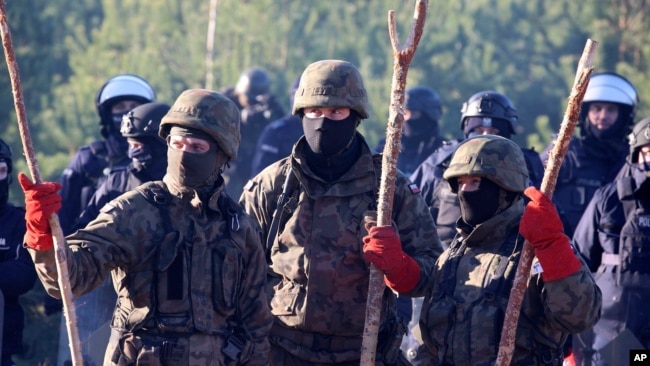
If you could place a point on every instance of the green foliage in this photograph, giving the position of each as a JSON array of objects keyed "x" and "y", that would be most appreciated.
[{"x": 527, "y": 50}]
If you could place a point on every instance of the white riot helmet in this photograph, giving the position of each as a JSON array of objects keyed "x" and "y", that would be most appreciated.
[{"x": 611, "y": 88}]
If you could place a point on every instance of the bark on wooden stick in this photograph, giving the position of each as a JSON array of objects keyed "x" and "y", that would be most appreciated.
[
  {"x": 556, "y": 156},
  {"x": 32, "y": 163},
  {"x": 402, "y": 56}
]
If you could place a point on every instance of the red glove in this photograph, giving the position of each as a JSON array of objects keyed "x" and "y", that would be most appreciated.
[
  {"x": 383, "y": 248},
  {"x": 542, "y": 227},
  {"x": 41, "y": 201}
]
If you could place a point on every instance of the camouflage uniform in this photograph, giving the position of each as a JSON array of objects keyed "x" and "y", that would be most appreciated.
[
  {"x": 494, "y": 109},
  {"x": 318, "y": 278},
  {"x": 463, "y": 312},
  {"x": 186, "y": 263}
]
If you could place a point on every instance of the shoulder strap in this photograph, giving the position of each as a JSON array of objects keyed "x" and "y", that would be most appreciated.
[
  {"x": 155, "y": 194},
  {"x": 232, "y": 210},
  {"x": 497, "y": 280},
  {"x": 289, "y": 185}
]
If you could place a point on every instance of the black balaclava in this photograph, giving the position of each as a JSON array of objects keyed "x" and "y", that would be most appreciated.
[
  {"x": 421, "y": 128},
  {"x": 4, "y": 190},
  {"x": 4, "y": 184},
  {"x": 333, "y": 145},
  {"x": 329, "y": 137},
  {"x": 116, "y": 144},
  {"x": 195, "y": 170},
  {"x": 480, "y": 205},
  {"x": 151, "y": 155}
]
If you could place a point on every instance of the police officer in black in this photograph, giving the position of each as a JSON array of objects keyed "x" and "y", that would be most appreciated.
[
  {"x": 17, "y": 273},
  {"x": 614, "y": 236},
  {"x": 258, "y": 107},
  {"x": 278, "y": 137},
  {"x": 93, "y": 162},
  {"x": 596, "y": 155},
  {"x": 148, "y": 154},
  {"x": 420, "y": 133}
]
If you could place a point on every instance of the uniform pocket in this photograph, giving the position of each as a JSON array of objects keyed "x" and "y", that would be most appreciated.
[
  {"x": 285, "y": 298},
  {"x": 227, "y": 264},
  {"x": 485, "y": 330}
]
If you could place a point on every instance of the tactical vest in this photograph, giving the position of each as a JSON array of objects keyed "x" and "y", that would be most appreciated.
[
  {"x": 634, "y": 247},
  {"x": 484, "y": 317},
  {"x": 317, "y": 347},
  {"x": 171, "y": 309}
]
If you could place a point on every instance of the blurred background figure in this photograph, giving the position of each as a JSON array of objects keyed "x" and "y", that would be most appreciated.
[
  {"x": 278, "y": 137},
  {"x": 421, "y": 132},
  {"x": 258, "y": 108}
]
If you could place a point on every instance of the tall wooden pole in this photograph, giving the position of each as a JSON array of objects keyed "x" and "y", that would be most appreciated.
[
  {"x": 402, "y": 56},
  {"x": 571, "y": 116},
  {"x": 32, "y": 164}
]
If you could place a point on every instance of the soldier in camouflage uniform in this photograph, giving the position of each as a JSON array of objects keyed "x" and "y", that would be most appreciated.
[
  {"x": 311, "y": 208},
  {"x": 485, "y": 112},
  {"x": 186, "y": 262},
  {"x": 463, "y": 311}
]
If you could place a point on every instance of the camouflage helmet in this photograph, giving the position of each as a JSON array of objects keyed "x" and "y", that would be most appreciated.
[
  {"x": 6, "y": 154},
  {"x": 331, "y": 83},
  {"x": 253, "y": 82},
  {"x": 639, "y": 137},
  {"x": 493, "y": 157},
  {"x": 144, "y": 121},
  {"x": 425, "y": 100},
  {"x": 490, "y": 105},
  {"x": 207, "y": 111}
]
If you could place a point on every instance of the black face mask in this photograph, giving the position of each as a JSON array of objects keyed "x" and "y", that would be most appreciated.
[
  {"x": 328, "y": 137},
  {"x": 146, "y": 155},
  {"x": 422, "y": 126},
  {"x": 117, "y": 146},
  {"x": 194, "y": 170},
  {"x": 4, "y": 192},
  {"x": 480, "y": 205}
]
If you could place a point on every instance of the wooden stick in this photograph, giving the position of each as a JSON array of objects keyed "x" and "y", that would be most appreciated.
[
  {"x": 32, "y": 164},
  {"x": 402, "y": 57},
  {"x": 556, "y": 156}
]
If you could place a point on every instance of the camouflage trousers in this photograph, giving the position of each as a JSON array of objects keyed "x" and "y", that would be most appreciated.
[
  {"x": 291, "y": 347},
  {"x": 143, "y": 349}
]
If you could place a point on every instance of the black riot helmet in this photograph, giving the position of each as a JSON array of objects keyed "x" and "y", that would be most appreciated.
[
  {"x": 425, "y": 100},
  {"x": 494, "y": 109},
  {"x": 144, "y": 121},
  {"x": 118, "y": 88},
  {"x": 253, "y": 82}
]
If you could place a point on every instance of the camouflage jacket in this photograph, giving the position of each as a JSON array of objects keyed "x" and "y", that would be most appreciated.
[
  {"x": 318, "y": 278},
  {"x": 180, "y": 267},
  {"x": 462, "y": 315}
]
